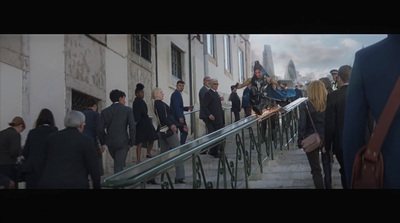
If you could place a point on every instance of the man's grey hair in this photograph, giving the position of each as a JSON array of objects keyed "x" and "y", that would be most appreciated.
[
  {"x": 213, "y": 80},
  {"x": 74, "y": 119}
]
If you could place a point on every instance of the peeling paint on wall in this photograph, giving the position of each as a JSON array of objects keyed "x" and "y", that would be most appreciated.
[{"x": 84, "y": 66}]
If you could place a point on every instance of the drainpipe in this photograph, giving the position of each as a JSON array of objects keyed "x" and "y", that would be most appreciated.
[
  {"x": 192, "y": 116},
  {"x": 245, "y": 59},
  {"x": 205, "y": 52},
  {"x": 155, "y": 43}
]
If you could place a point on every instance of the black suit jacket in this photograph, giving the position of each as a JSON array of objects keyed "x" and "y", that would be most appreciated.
[
  {"x": 202, "y": 92},
  {"x": 10, "y": 146},
  {"x": 235, "y": 102},
  {"x": 164, "y": 114},
  {"x": 305, "y": 125},
  {"x": 92, "y": 119},
  {"x": 34, "y": 153},
  {"x": 212, "y": 105},
  {"x": 334, "y": 119},
  {"x": 70, "y": 158},
  {"x": 115, "y": 120}
]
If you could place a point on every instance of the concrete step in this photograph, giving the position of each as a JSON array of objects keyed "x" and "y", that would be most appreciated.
[{"x": 290, "y": 170}]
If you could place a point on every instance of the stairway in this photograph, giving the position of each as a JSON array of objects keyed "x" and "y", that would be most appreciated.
[{"x": 290, "y": 170}]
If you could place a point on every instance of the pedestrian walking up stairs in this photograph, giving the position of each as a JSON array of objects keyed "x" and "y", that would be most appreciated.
[
  {"x": 249, "y": 158},
  {"x": 290, "y": 170}
]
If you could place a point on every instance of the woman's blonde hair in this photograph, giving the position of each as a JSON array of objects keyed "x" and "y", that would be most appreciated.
[
  {"x": 153, "y": 98},
  {"x": 317, "y": 95},
  {"x": 154, "y": 92}
]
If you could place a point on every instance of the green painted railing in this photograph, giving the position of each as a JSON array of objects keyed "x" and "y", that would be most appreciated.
[{"x": 243, "y": 148}]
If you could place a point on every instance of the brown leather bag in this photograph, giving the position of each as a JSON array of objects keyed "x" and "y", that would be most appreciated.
[
  {"x": 368, "y": 163},
  {"x": 311, "y": 142}
]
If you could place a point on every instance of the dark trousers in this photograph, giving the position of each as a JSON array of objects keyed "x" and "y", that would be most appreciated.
[
  {"x": 118, "y": 153},
  {"x": 184, "y": 135},
  {"x": 313, "y": 160},
  {"x": 339, "y": 157},
  {"x": 247, "y": 112},
  {"x": 211, "y": 128},
  {"x": 10, "y": 171},
  {"x": 32, "y": 179},
  {"x": 327, "y": 159},
  {"x": 237, "y": 115}
]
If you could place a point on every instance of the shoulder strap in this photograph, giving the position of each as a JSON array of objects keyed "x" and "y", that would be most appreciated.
[
  {"x": 382, "y": 127},
  {"x": 155, "y": 112},
  {"x": 310, "y": 117}
]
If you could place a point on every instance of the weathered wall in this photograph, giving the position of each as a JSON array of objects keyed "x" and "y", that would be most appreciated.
[{"x": 84, "y": 67}]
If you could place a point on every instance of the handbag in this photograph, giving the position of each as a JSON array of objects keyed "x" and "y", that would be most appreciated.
[
  {"x": 368, "y": 163},
  {"x": 165, "y": 131},
  {"x": 313, "y": 141}
]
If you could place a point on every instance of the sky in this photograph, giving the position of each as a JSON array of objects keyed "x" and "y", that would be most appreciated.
[{"x": 312, "y": 55}]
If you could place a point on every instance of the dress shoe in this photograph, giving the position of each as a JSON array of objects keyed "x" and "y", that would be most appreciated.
[{"x": 181, "y": 181}]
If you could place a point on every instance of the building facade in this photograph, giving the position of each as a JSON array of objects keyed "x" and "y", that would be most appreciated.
[{"x": 60, "y": 72}]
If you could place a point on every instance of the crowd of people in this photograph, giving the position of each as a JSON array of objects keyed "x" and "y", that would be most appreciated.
[
  {"x": 343, "y": 113},
  {"x": 48, "y": 163},
  {"x": 67, "y": 158}
]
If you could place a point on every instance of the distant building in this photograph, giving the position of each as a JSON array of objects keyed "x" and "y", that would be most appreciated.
[
  {"x": 268, "y": 63},
  {"x": 291, "y": 72}
]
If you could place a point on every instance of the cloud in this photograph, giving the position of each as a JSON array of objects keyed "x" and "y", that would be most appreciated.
[
  {"x": 313, "y": 55},
  {"x": 350, "y": 43}
]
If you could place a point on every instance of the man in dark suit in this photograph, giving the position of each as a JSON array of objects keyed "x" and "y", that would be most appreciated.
[
  {"x": 92, "y": 119},
  {"x": 202, "y": 92},
  {"x": 234, "y": 98},
  {"x": 334, "y": 121},
  {"x": 374, "y": 74},
  {"x": 115, "y": 120},
  {"x": 213, "y": 110},
  {"x": 177, "y": 109},
  {"x": 70, "y": 157}
]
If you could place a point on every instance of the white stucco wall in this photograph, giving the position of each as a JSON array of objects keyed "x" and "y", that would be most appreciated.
[
  {"x": 116, "y": 68},
  {"x": 10, "y": 94},
  {"x": 47, "y": 77}
]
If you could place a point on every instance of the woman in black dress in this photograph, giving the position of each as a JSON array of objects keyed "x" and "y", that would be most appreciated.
[{"x": 145, "y": 131}]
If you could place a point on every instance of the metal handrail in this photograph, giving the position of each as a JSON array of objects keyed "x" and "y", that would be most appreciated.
[
  {"x": 198, "y": 110},
  {"x": 140, "y": 173}
]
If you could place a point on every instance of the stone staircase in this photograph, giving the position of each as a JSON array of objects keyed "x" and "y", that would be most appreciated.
[{"x": 288, "y": 170}]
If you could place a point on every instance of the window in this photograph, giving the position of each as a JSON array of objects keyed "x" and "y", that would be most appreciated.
[
  {"x": 176, "y": 62},
  {"x": 241, "y": 65},
  {"x": 227, "y": 44},
  {"x": 210, "y": 45},
  {"x": 79, "y": 100},
  {"x": 141, "y": 45}
]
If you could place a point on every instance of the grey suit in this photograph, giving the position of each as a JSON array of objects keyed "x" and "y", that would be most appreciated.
[{"x": 112, "y": 131}]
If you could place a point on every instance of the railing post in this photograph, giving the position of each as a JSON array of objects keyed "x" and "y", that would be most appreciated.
[{"x": 194, "y": 170}]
